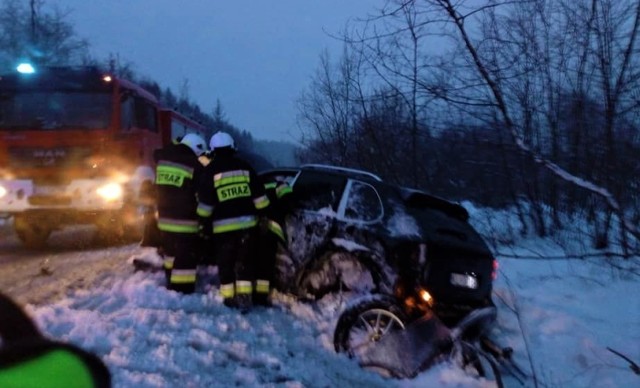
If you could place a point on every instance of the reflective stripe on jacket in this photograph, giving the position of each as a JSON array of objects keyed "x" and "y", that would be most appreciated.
[
  {"x": 278, "y": 194},
  {"x": 178, "y": 171},
  {"x": 230, "y": 193},
  {"x": 232, "y": 224},
  {"x": 177, "y": 226}
]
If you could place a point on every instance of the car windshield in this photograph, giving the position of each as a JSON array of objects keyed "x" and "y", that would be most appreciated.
[{"x": 49, "y": 110}]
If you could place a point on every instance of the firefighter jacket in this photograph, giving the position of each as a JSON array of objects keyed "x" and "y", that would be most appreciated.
[
  {"x": 278, "y": 193},
  {"x": 177, "y": 173},
  {"x": 230, "y": 195}
]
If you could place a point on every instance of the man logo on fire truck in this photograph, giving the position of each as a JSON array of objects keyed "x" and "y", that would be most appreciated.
[{"x": 76, "y": 147}]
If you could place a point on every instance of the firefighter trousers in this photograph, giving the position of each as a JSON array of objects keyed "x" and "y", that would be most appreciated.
[
  {"x": 265, "y": 261},
  {"x": 234, "y": 253},
  {"x": 182, "y": 274}
]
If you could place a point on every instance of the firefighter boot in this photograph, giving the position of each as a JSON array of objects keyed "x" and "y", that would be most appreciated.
[
  {"x": 262, "y": 299},
  {"x": 243, "y": 302},
  {"x": 230, "y": 302}
]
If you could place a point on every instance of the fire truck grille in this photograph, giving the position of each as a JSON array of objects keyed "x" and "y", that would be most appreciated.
[
  {"x": 47, "y": 156},
  {"x": 49, "y": 200}
]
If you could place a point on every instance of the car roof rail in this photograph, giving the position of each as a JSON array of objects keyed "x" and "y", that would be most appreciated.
[{"x": 342, "y": 169}]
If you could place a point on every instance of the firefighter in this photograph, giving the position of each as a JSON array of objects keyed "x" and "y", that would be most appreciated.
[
  {"x": 272, "y": 233},
  {"x": 230, "y": 198},
  {"x": 178, "y": 171},
  {"x": 29, "y": 359}
]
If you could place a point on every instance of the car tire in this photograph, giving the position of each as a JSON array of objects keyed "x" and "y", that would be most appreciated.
[
  {"x": 367, "y": 320},
  {"x": 32, "y": 235}
]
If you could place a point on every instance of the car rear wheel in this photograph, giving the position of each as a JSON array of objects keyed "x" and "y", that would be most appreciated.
[{"x": 367, "y": 321}]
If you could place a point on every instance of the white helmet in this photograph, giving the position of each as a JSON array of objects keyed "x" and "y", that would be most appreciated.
[
  {"x": 220, "y": 140},
  {"x": 195, "y": 142}
]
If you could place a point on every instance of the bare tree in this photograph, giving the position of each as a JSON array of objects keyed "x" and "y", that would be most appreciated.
[
  {"x": 30, "y": 32},
  {"x": 350, "y": 126},
  {"x": 328, "y": 110},
  {"x": 392, "y": 46},
  {"x": 614, "y": 50}
]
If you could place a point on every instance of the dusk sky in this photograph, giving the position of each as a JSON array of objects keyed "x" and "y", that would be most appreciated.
[{"x": 255, "y": 56}]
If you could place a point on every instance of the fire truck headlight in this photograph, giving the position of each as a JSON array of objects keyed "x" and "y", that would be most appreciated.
[
  {"x": 3, "y": 191},
  {"x": 110, "y": 192}
]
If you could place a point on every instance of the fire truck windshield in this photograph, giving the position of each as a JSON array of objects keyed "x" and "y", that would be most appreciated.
[{"x": 54, "y": 110}]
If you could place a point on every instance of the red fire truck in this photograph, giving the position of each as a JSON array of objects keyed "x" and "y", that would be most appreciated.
[{"x": 76, "y": 147}]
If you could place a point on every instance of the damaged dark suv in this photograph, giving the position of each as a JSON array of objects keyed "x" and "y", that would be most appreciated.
[{"x": 349, "y": 230}]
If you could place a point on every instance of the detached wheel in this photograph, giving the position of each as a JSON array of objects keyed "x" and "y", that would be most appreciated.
[
  {"x": 367, "y": 321},
  {"x": 32, "y": 235}
]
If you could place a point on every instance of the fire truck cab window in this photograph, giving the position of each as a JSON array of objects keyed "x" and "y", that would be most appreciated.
[
  {"x": 145, "y": 114},
  {"x": 126, "y": 113},
  {"x": 54, "y": 110},
  {"x": 177, "y": 129},
  {"x": 137, "y": 113}
]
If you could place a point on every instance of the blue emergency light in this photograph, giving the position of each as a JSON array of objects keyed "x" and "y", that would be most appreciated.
[{"x": 25, "y": 68}]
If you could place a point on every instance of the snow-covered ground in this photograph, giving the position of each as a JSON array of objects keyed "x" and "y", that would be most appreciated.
[{"x": 559, "y": 316}]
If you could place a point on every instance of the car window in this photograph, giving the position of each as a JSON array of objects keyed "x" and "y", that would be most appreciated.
[
  {"x": 362, "y": 202},
  {"x": 318, "y": 192}
]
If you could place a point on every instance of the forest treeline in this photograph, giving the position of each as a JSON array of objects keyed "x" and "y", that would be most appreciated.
[
  {"x": 531, "y": 104},
  {"x": 527, "y": 104}
]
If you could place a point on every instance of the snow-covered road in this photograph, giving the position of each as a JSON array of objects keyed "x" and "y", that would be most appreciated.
[{"x": 70, "y": 261}]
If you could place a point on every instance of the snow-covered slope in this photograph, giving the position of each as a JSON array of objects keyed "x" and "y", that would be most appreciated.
[{"x": 560, "y": 316}]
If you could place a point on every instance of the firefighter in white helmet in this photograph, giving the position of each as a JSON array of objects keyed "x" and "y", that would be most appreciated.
[
  {"x": 230, "y": 199},
  {"x": 178, "y": 172}
]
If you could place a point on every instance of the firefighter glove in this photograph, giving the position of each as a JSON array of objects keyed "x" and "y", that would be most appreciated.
[{"x": 205, "y": 228}]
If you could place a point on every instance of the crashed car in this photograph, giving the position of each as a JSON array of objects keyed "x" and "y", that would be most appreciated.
[
  {"x": 348, "y": 230},
  {"x": 421, "y": 274}
]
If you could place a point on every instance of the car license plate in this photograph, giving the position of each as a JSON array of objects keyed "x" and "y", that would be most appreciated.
[{"x": 464, "y": 280}]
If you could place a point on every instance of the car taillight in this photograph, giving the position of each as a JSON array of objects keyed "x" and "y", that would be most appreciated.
[
  {"x": 422, "y": 254},
  {"x": 494, "y": 273},
  {"x": 426, "y": 297}
]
